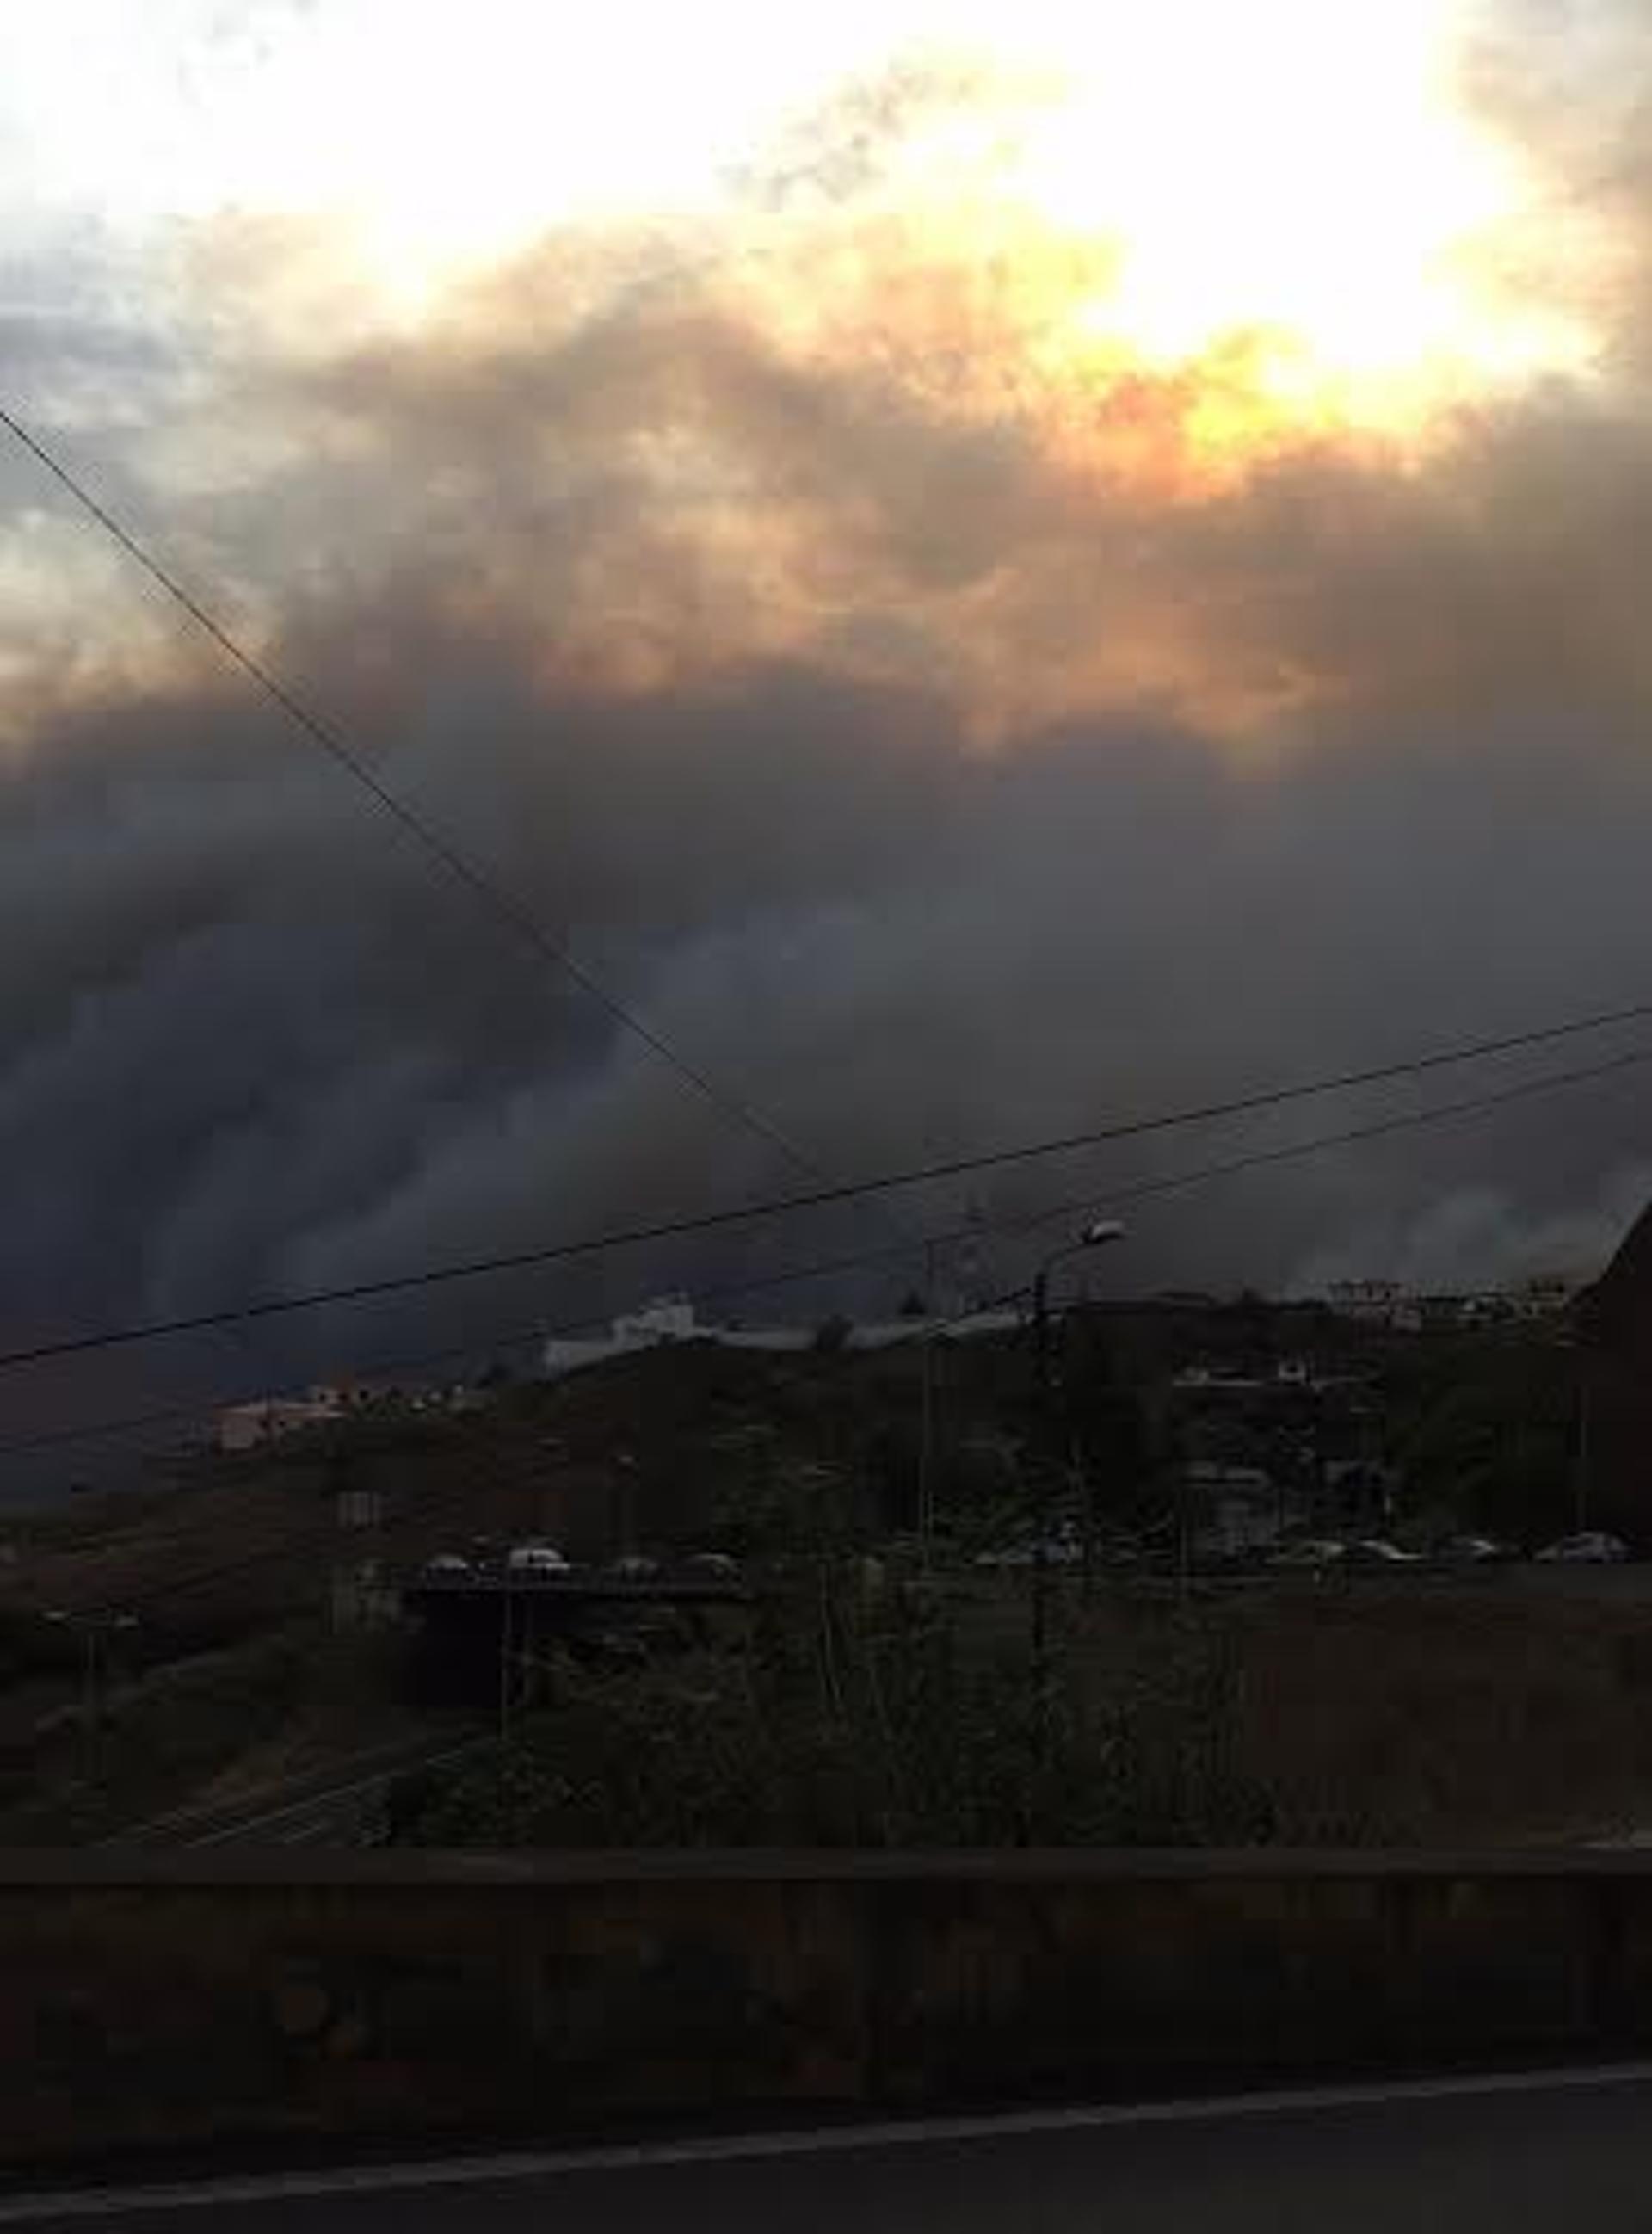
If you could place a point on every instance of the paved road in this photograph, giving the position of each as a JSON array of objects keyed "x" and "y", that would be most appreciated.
[{"x": 1475, "y": 2158}]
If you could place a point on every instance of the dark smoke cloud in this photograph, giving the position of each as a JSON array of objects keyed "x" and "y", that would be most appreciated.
[{"x": 911, "y": 742}]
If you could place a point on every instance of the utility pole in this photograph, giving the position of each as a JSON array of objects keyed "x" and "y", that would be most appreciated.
[
  {"x": 627, "y": 1502},
  {"x": 91, "y": 1706},
  {"x": 1580, "y": 1458},
  {"x": 506, "y": 1641},
  {"x": 1040, "y": 1519},
  {"x": 1047, "y": 1444},
  {"x": 1082, "y": 1471},
  {"x": 926, "y": 1427}
]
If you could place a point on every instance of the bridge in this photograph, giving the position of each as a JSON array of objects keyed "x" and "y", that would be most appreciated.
[{"x": 470, "y": 1626}]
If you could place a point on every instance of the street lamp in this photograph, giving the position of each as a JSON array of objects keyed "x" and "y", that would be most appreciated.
[{"x": 1097, "y": 1235}]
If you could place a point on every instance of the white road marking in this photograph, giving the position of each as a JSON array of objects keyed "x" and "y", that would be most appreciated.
[{"x": 828, "y": 2140}]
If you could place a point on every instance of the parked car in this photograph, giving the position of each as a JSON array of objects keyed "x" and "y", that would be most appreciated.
[
  {"x": 531, "y": 1559},
  {"x": 1377, "y": 1551},
  {"x": 446, "y": 1567},
  {"x": 1310, "y": 1552},
  {"x": 1591, "y": 1547},
  {"x": 634, "y": 1567},
  {"x": 1475, "y": 1551},
  {"x": 714, "y": 1566}
]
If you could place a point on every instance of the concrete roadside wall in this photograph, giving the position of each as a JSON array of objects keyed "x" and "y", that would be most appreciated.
[{"x": 420, "y": 2001}]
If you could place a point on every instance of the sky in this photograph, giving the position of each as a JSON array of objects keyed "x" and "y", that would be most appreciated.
[{"x": 986, "y": 566}]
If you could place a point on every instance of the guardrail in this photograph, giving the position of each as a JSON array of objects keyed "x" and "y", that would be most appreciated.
[{"x": 166, "y": 2001}]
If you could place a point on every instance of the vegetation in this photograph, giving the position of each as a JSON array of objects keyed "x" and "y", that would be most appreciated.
[
  {"x": 1483, "y": 1429},
  {"x": 852, "y": 1714},
  {"x": 856, "y": 1710},
  {"x": 879, "y": 1719},
  {"x": 149, "y": 1745}
]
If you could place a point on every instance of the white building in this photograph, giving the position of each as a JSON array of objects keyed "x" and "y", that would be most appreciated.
[
  {"x": 672, "y": 1319},
  {"x": 1377, "y": 1303}
]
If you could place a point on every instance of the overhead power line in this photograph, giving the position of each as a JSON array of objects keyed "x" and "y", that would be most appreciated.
[
  {"x": 849, "y": 1191},
  {"x": 431, "y": 1505},
  {"x": 1472, "y": 1105},
  {"x": 458, "y": 865},
  {"x": 1118, "y": 1198},
  {"x": 448, "y": 857}
]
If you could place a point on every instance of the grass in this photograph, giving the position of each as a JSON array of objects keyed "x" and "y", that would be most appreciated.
[
  {"x": 1465, "y": 1718},
  {"x": 1302, "y": 1721}
]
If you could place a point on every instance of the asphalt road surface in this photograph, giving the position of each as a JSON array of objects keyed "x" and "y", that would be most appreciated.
[{"x": 1570, "y": 2152}]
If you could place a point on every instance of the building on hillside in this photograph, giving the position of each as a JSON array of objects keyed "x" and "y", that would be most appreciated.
[
  {"x": 1545, "y": 1295},
  {"x": 660, "y": 1325},
  {"x": 245, "y": 1427},
  {"x": 673, "y": 1320},
  {"x": 1386, "y": 1303},
  {"x": 1372, "y": 1303},
  {"x": 1290, "y": 1376}
]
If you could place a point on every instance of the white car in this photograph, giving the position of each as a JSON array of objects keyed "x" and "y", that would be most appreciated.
[
  {"x": 717, "y": 1566},
  {"x": 1377, "y": 1551},
  {"x": 1314, "y": 1551},
  {"x": 1592, "y": 1547},
  {"x": 527, "y": 1560},
  {"x": 1474, "y": 1551}
]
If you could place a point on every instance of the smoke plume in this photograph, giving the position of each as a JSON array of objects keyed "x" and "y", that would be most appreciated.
[{"x": 944, "y": 730}]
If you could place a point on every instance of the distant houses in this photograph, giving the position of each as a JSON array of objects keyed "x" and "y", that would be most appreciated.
[
  {"x": 1387, "y": 1304},
  {"x": 673, "y": 1319},
  {"x": 266, "y": 1419},
  {"x": 245, "y": 1427}
]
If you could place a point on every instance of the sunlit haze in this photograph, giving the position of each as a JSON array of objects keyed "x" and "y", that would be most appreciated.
[
  {"x": 1299, "y": 176},
  {"x": 984, "y": 561}
]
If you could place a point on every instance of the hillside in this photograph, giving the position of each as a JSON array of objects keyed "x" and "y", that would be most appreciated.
[{"x": 239, "y": 1625}]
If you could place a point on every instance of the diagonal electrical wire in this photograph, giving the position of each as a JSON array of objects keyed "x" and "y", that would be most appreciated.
[
  {"x": 459, "y": 865},
  {"x": 448, "y": 857},
  {"x": 1473, "y": 1105},
  {"x": 919, "y": 1175},
  {"x": 1019, "y": 1225},
  {"x": 432, "y": 1506}
]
